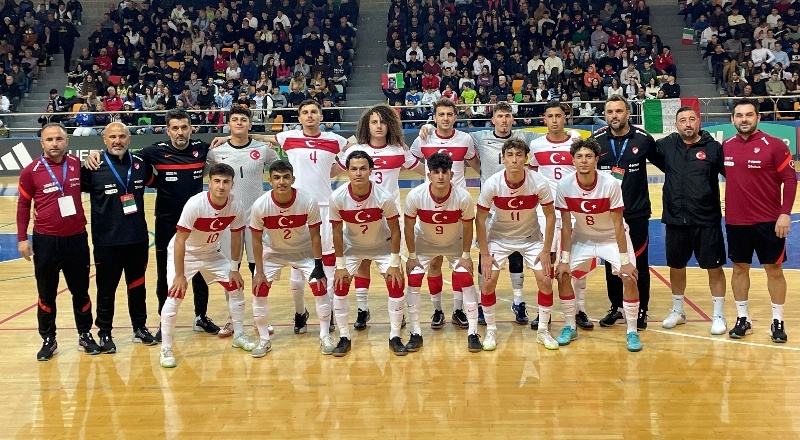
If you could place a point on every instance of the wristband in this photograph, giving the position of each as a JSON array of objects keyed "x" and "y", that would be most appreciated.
[
  {"x": 564, "y": 257},
  {"x": 394, "y": 260},
  {"x": 234, "y": 265},
  {"x": 318, "y": 264},
  {"x": 624, "y": 258},
  {"x": 412, "y": 255},
  {"x": 466, "y": 255},
  {"x": 340, "y": 263}
]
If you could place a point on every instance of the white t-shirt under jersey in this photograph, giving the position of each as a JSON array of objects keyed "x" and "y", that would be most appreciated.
[
  {"x": 205, "y": 222},
  {"x": 285, "y": 226},
  {"x": 312, "y": 158},
  {"x": 459, "y": 146},
  {"x": 439, "y": 223},
  {"x": 514, "y": 218}
]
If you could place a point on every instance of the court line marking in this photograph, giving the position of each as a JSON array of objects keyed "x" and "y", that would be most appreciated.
[
  {"x": 687, "y": 300},
  {"x": 32, "y": 306},
  {"x": 726, "y": 340}
]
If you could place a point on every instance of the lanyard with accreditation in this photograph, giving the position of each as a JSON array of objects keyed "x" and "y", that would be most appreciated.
[
  {"x": 128, "y": 202},
  {"x": 617, "y": 171},
  {"x": 66, "y": 205}
]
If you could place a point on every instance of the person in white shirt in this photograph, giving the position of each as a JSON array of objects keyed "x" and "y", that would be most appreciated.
[
  {"x": 477, "y": 65},
  {"x": 552, "y": 62},
  {"x": 760, "y": 55}
]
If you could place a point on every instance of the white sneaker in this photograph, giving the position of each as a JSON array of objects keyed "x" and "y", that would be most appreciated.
[
  {"x": 674, "y": 319},
  {"x": 545, "y": 338},
  {"x": 167, "y": 358},
  {"x": 227, "y": 331},
  {"x": 243, "y": 342},
  {"x": 263, "y": 347},
  {"x": 327, "y": 344},
  {"x": 490, "y": 341},
  {"x": 719, "y": 325}
]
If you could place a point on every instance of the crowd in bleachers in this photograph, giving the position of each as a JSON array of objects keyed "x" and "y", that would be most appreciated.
[
  {"x": 204, "y": 55},
  {"x": 480, "y": 52},
  {"x": 752, "y": 49}
]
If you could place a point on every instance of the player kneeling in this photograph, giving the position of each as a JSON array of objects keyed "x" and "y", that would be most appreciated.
[
  {"x": 438, "y": 222},
  {"x": 196, "y": 248},
  {"x": 512, "y": 196},
  {"x": 292, "y": 222},
  {"x": 595, "y": 199},
  {"x": 372, "y": 233}
]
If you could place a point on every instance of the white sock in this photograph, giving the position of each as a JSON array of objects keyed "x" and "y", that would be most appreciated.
[
  {"x": 719, "y": 305},
  {"x": 169, "y": 315},
  {"x": 741, "y": 309},
  {"x": 414, "y": 300},
  {"x": 488, "y": 314},
  {"x": 631, "y": 314},
  {"x": 677, "y": 303},
  {"x": 324, "y": 315},
  {"x": 437, "y": 301},
  {"x": 297, "y": 285},
  {"x": 236, "y": 309},
  {"x": 568, "y": 306},
  {"x": 458, "y": 299},
  {"x": 341, "y": 309},
  {"x": 517, "y": 280},
  {"x": 517, "y": 296},
  {"x": 261, "y": 316},
  {"x": 777, "y": 311},
  {"x": 579, "y": 287},
  {"x": 471, "y": 308},
  {"x": 544, "y": 318},
  {"x": 396, "y": 307},
  {"x": 361, "y": 298}
]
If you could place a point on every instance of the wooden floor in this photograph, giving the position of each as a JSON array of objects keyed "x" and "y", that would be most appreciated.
[{"x": 684, "y": 384}]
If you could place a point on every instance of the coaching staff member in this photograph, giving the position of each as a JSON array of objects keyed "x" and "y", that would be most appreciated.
[
  {"x": 624, "y": 151},
  {"x": 119, "y": 233},
  {"x": 60, "y": 243},
  {"x": 692, "y": 213}
]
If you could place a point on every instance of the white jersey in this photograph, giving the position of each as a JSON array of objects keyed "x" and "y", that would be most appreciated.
[
  {"x": 312, "y": 158},
  {"x": 365, "y": 218},
  {"x": 514, "y": 218},
  {"x": 439, "y": 222},
  {"x": 591, "y": 207},
  {"x": 389, "y": 160},
  {"x": 286, "y": 225},
  {"x": 249, "y": 162},
  {"x": 553, "y": 159},
  {"x": 490, "y": 149},
  {"x": 205, "y": 222},
  {"x": 459, "y": 146}
]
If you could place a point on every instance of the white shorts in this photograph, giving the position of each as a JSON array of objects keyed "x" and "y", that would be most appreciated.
[
  {"x": 215, "y": 266},
  {"x": 427, "y": 252},
  {"x": 273, "y": 263},
  {"x": 556, "y": 246},
  {"x": 225, "y": 243},
  {"x": 584, "y": 252},
  {"x": 355, "y": 257},
  {"x": 326, "y": 230},
  {"x": 529, "y": 251}
]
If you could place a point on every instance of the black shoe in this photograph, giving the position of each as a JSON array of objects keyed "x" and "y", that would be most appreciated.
[
  {"x": 300, "y": 322},
  {"x": 583, "y": 321},
  {"x": 342, "y": 347},
  {"x": 403, "y": 324},
  {"x": 86, "y": 342},
  {"x": 437, "y": 320},
  {"x": 203, "y": 323},
  {"x": 332, "y": 326},
  {"x": 481, "y": 318},
  {"x": 742, "y": 328},
  {"x": 49, "y": 348},
  {"x": 535, "y": 322},
  {"x": 459, "y": 319},
  {"x": 361, "y": 319},
  {"x": 521, "y": 313},
  {"x": 143, "y": 336},
  {"x": 474, "y": 343},
  {"x": 414, "y": 343},
  {"x": 613, "y": 318},
  {"x": 158, "y": 334},
  {"x": 107, "y": 344},
  {"x": 777, "y": 332},
  {"x": 397, "y": 347},
  {"x": 641, "y": 321}
]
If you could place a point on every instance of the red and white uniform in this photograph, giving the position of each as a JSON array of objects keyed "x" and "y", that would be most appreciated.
[
  {"x": 514, "y": 225},
  {"x": 439, "y": 229},
  {"x": 286, "y": 237},
  {"x": 205, "y": 223},
  {"x": 389, "y": 161},
  {"x": 593, "y": 233},
  {"x": 459, "y": 146},
  {"x": 366, "y": 233}
]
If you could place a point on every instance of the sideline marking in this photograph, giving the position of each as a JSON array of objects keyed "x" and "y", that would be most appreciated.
[
  {"x": 32, "y": 306},
  {"x": 728, "y": 340},
  {"x": 689, "y": 302}
]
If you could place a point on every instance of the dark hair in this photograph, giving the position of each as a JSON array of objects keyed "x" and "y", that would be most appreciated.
[
  {"x": 440, "y": 161},
  {"x": 503, "y": 107},
  {"x": 394, "y": 128},
  {"x": 221, "y": 169},
  {"x": 685, "y": 108},
  {"x": 444, "y": 102},
  {"x": 554, "y": 104},
  {"x": 177, "y": 113},
  {"x": 743, "y": 101},
  {"x": 617, "y": 98},
  {"x": 358, "y": 154},
  {"x": 309, "y": 102},
  {"x": 589, "y": 144},
  {"x": 240, "y": 110},
  {"x": 516, "y": 144},
  {"x": 281, "y": 165},
  {"x": 54, "y": 124}
]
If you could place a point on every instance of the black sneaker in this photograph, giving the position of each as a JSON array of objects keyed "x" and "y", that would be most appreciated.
[
  {"x": 300, "y": 322},
  {"x": 481, "y": 318},
  {"x": 342, "y": 347},
  {"x": 777, "y": 332},
  {"x": 521, "y": 312},
  {"x": 459, "y": 319},
  {"x": 535, "y": 322},
  {"x": 158, "y": 334},
  {"x": 107, "y": 344},
  {"x": 414, "y": 343},
  {"x": 403, "y": 324},
  {"x": 203, "y": 323},
  {"x": 332, "y": 326},
  {"x": 474, "y": 343},
  {"x": 361, "y": 319},
  {"x": 613, "y": 318},
  {"x": 437, "y": 320},
  {"x": 397, "y": 347},
  {"x": 86, "y": 342},
  {"x": 742, "y": 328},
  {"x": 143, "y": 336},
  {"x": 641, "y": 321},
  {"x": 583, "y": 321},
  {"x": 49, "y": 348}
]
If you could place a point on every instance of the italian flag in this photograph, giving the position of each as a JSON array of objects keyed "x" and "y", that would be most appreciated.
[
  {"x": 392, "y": 80},
  {"x": 659, "y": 114},
  {"x": 688, "y": 36}
]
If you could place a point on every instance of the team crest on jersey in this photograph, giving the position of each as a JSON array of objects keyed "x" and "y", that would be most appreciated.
[
  {"x": 136, "y": 165},
  {"x": 701, "y": 155},
  {"x": 255, "y": 155},
  {"x": 195, "y": 153},
  {"x": 756, "y": 150},
  {"x": 71, "y": 168},
  {"x": 635, "y": 150}
]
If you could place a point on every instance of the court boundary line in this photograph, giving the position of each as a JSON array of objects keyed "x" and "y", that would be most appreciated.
[
  {"x": 32, "y": 306},
  {"x": 685, "y": 298},
  {"x": 726, "y": 340}
]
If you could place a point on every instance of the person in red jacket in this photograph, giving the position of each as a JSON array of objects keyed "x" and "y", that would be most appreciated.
[
  {"x": 103, "y": 61},
  {"x": 665, "y": 64},
  {"x": 112, "y": 102}
]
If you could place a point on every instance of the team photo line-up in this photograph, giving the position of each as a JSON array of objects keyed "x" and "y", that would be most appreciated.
[{"x": 554, "y": 203}]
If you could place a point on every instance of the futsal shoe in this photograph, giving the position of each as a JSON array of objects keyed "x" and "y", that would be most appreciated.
[
  {"x": 613, "y": 318},
  {"x": 362, "y": 319},
  {"x": 242, "y": 342},
  {"x": 719, "y": 325},
  {"x": 777, "y": 332},
  {"x": 459, "y": 319},
  {"x": 474, "y": 343},
  {"x": 87, "y": 344},
  {"x": 535, "y": 322},
  {"x": 481, "y": 318},
  {"x": 490, "y": 341},
  {"x": 301, "y": 323},
  {"x": 263, "y": 346},
  {"x": 583, "y": 321},
  {"x": 143, "y": 336},
  {"x": 437, "y": 320},
  {"x": 227, "y": 330},
  {"x": 568, "y": 334},
  {"x": 158, "y": 334},
  {"x": 641, "y": 321},
  {"x": 674, "y": 319},
  {"x": 520, "y": 312},
  {"x": 107, "y": 344},
  {"x": 203, "y": 323},
  {"x": 48, "y": 350},
  {"x": 634, "y": 344},
  {"x": 342, "y": 347},
  {"x": 414, "y": 343},
  {"x": 545, "y": 338},
  {"x": 397, "y": 347},
  {"x": 326, "y": 344},
  {"x": 742, "y": 328},
  {"x": 167, "y": 358}
]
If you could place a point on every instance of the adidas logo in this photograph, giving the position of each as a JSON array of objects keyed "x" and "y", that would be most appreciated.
[{"x": 16, "y": 159}]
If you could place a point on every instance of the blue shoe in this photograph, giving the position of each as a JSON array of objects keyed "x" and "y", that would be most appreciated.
[
  {"x": 568, "y": 334},
  {"x": 481, "y": 318},
  {"x": 634, "y": 344},
  {"x": 521, "y": 313}
]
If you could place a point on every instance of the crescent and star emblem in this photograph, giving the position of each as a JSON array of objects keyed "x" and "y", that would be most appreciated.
[
  {"x": 216, "y": 225},
  {"x": 511, "y": 203},
  {"x": 444, "y": 150},
  {"x": 311, "y": 144},
  {"x": 553, "y": 156},
  {"x": 283, "y": 224},
  {"x": 361, "y": 220},
  {"x": 436, "y": 219},
  {"x": 255, "y": 155},
  {"x": 583, "y": 206}
]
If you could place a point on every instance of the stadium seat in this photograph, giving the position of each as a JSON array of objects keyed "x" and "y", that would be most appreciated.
[
  {"x": 277, "y": 124},
  {"x": 516, "y": 86}
]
